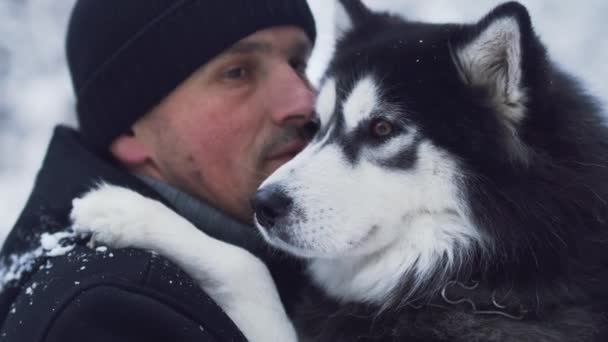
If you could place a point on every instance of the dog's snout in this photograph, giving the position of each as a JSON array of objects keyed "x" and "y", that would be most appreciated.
[{"x": 271, "y": 204}]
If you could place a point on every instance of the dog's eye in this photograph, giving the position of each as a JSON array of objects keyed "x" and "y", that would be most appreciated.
[{"x": 381, "y": 128}]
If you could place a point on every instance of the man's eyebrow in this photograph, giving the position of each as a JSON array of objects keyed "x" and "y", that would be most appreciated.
[
  {"x": 249, "y": 47},
  {"x": 298, "y": 49}
]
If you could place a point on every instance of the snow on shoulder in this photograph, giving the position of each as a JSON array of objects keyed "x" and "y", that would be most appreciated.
[{"x": 50, "y": 245}]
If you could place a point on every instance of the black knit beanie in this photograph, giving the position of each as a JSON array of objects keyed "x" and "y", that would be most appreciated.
[{"x": 125, "y": 56}]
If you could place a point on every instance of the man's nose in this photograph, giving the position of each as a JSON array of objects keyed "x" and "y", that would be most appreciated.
[{"x": 292, "y": 98}]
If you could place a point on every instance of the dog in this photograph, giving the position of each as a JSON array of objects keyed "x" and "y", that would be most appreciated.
[{"x": 456, "y": 191}]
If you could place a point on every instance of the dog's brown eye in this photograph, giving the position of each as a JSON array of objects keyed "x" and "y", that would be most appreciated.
[{"x": 382, "y": 128}]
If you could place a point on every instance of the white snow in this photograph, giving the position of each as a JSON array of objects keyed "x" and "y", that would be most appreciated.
[
  {"x": 101, "y": 249},
  {"x": 51, "y": 245},
  {"x": 13, "y": 268}
]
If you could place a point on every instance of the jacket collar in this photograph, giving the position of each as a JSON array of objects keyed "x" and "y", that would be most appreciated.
[{"x": 207, "y": 218}]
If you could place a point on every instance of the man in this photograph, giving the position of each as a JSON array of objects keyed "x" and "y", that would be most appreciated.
[{"x": 191, "y": 102}]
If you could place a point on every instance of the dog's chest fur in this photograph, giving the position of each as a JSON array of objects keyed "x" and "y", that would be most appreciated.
[{"x": 320, "y": 319}]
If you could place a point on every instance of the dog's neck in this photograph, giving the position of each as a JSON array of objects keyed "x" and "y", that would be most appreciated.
[
  {"x": 377, "y": 282},
  {"x": 356, "y": 279},
  {"x": 408, "y": 262},
  {"x": 382, "y": 280},
  {"x": 368, "y": 279}
]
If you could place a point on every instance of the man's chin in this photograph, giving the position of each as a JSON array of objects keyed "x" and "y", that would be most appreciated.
[{"x": 275, "y": 163}]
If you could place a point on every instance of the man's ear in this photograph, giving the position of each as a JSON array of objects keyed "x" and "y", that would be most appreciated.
[{"x": 130, "y": 151}]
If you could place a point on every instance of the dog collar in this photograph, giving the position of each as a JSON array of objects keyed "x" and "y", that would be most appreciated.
[{"x": 478, "y": 301}]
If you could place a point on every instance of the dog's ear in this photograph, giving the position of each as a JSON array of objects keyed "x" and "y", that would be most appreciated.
[
  {"x": 490, "y": 56},
  {"x": 348, "y": 15}
]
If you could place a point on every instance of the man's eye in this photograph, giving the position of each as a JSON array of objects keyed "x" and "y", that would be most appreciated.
[
  {"x": 299, "y": 66},
  {"x": 236, "y": 73}
]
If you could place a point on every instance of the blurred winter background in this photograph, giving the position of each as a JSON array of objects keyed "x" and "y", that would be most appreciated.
[{"x": 35, "y": 92}]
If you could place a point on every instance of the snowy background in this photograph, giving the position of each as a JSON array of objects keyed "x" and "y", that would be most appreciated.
[{"x": 35, "y": 92}]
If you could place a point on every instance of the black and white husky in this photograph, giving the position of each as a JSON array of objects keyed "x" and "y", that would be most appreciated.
[{"x": 456, "y": 191}]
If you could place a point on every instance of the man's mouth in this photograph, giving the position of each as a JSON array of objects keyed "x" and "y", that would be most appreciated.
[{"x": 288, "y": 151}]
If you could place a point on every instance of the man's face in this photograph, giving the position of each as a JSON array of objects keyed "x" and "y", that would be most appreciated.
[{"x": 234, "y": 121}]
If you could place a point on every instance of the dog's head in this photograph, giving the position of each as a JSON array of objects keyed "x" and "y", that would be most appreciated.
[{"x": 418, "y": 123}]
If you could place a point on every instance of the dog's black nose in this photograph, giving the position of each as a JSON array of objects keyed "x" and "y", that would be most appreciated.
[{"x": 270, "y": 204}]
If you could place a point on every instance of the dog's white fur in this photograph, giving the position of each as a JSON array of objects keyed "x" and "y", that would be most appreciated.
[
  {"x": 361, "y": 102},
  {"x": 326, "y": 101},
  {"x": 236, "y": 280}
]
